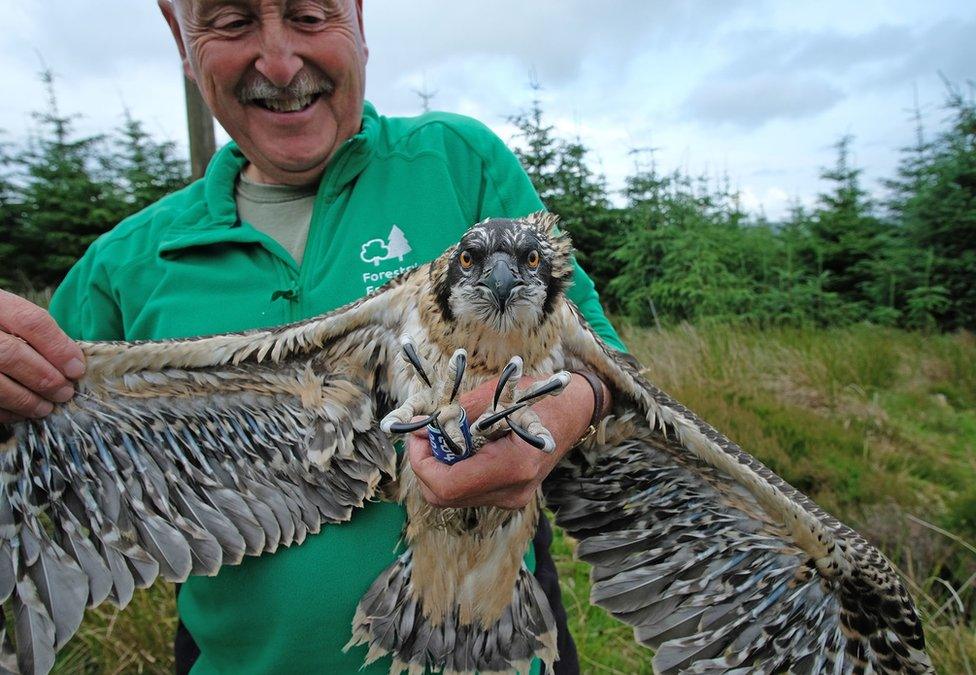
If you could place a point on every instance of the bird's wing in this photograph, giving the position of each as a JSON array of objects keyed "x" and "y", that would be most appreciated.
[
  {"x": 176, "y": 457},
  {"x": 717, "y": 562}
]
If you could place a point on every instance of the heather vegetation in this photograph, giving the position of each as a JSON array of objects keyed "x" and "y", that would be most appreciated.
[{"x": 835, "y": 344}]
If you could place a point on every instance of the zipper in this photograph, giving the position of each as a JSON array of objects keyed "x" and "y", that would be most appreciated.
[
  {"x": 287, "y": 288},
  {"x": 319, "y": 227}
]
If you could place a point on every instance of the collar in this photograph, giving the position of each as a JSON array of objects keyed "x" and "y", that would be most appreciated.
[{"x": 221, "y": 224}]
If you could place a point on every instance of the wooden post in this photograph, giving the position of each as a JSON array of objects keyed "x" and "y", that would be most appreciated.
[{"x": 200, "y": 125}]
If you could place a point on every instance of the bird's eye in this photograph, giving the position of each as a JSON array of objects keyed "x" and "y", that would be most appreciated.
[
  {"x": 466, "y": 260},
  {"x": 533, "y": 259}
]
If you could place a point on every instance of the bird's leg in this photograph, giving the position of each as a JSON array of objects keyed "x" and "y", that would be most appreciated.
[
  {"x": 423, "y": 402},
  {"x": 489, "y": 426},
  {"x": 400, "y": 420},
  {"x": 511, "y": 405},
  {"x": 437, "y": 401},
  {"x": 450, "y": 415}
]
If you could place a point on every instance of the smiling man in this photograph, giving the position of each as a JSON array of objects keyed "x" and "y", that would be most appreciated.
[
  {"x": 317, "y": 200},
  {"x": 285, "y": 79}
]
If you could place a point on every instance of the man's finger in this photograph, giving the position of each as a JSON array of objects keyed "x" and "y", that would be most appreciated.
[
  {"x": 476, "y": 401},
  {"x": 21, "y": 363},
  {"x": 497, "y": 467},
  {"x": 36, "y": 327},
  {"x": 21, "y": 401},
  {"x": 433, "y": 474},
  {"x": 443, "y": 487}
]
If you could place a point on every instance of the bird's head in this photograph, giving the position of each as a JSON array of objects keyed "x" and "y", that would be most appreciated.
[{"x": 504, "y": 273}]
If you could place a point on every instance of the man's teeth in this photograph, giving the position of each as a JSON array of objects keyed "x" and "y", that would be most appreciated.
[{"x": 287, "y": 104}]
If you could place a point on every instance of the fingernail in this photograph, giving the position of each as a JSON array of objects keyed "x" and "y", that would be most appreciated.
[
  {"x": 74, "y": 369},
  {"x": 43, "y": 408},
  {"x": 64, "y": 393}
]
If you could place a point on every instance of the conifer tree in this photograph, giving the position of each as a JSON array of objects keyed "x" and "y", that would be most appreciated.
[
  {"x": 65, "y": 201},
  {"x": 851, "y": 245},
  {"x": 9, "y": 222},
  {"x": 918, "y": 298},
  {"x": 638, "y": 258},
  {"x": 938, "y": 207},
  {"x": 681, "y": 255},
  {"x": 538, "y": 149},
  {"x": 568, "y": 187},
  {"x": 143, "y": 169},
  {"x": 800, "y": 296},
  {"x": 580, "y": 199}
]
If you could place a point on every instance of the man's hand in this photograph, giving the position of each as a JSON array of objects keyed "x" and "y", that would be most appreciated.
[
  {"x": 506, "y": 472},
  {"x": 37, "y": 360}
]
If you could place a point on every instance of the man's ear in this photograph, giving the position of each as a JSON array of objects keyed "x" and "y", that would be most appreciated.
[{"x": 169, "y": 13}]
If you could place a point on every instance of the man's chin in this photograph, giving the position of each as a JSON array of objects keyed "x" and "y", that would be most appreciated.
[{"x": 279, "y": 167}]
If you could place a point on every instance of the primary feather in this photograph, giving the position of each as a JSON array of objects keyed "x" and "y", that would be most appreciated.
[
  {"x": 715, "y": 560},
  {"x": 177, "y": 457}
]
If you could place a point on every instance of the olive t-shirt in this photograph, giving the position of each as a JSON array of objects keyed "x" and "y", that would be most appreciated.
[{"x": 283, "y": 212}]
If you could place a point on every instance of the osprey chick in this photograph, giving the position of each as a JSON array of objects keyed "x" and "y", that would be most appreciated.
[
  {"x": 177, "y": 457},
  {"x": 503, "y": 274}
]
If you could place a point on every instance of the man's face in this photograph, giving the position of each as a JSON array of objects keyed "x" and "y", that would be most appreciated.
[{"x": 285, "y": 78}]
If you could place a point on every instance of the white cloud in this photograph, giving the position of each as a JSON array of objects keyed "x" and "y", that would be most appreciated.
[
  {"x": 751, "y": 101},
  {"x": 774, "y": 202},
  {"x": 759, "y": 90}
]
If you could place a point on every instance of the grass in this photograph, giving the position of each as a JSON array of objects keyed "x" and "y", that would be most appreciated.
[
  {"x": 877, "y": 425},
  {"x": 138, "y": 639}
]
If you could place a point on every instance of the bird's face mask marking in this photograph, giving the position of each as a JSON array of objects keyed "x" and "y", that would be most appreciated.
[{"x": 505, "y": 273}]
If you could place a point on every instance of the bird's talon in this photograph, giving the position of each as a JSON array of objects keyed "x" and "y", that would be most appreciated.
[
  {"x": 451, "y": 444},
  {"x": 550, "y": 387},
  {"x": 408, "y": 427},
  {"x": 513, "y": 369},
  {"x": 485, "y": 423},
  {"x": 545, "y": 444},
  {"x": 410, "y": 351},
  {"x": 459, "y": 362}
]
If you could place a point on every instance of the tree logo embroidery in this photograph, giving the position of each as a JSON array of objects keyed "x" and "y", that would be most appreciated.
[{"x": 377, "y": 250}]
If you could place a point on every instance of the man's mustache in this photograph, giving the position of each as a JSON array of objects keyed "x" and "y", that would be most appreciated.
[{"x": 307, "y": 82}]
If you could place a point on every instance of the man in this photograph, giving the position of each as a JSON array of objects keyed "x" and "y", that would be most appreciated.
[{"x": 318, "y": 200}]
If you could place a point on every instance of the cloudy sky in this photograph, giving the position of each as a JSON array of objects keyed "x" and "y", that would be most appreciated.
[{"x": 758, "y": 89}]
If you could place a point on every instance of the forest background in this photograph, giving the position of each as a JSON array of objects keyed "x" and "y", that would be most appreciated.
[
  {"x": 836, "y": 344},
  {"x": 679, "y": 248}
]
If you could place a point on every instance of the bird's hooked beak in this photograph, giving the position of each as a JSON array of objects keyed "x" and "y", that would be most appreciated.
[{"x": 501, "y": 278}]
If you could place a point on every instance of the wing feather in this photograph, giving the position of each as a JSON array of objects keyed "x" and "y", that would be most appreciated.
[
  {"x": 177, "y": 457},
  {"x": 717, "y": 562}
]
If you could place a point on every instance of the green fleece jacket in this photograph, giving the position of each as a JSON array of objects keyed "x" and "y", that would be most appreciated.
[{"x": 393, "y": 197}]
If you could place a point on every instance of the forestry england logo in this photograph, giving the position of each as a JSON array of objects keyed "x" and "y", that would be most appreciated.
[{"x": 377, "y": 250}]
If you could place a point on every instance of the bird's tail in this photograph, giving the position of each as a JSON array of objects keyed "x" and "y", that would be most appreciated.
[{"x": 390, "y": 619}]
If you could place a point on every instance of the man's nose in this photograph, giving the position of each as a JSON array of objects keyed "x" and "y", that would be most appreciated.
[{"x": 277, "y": 61}]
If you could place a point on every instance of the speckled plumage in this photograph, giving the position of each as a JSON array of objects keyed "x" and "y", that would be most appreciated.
[{"x": 177, "y": 457}]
